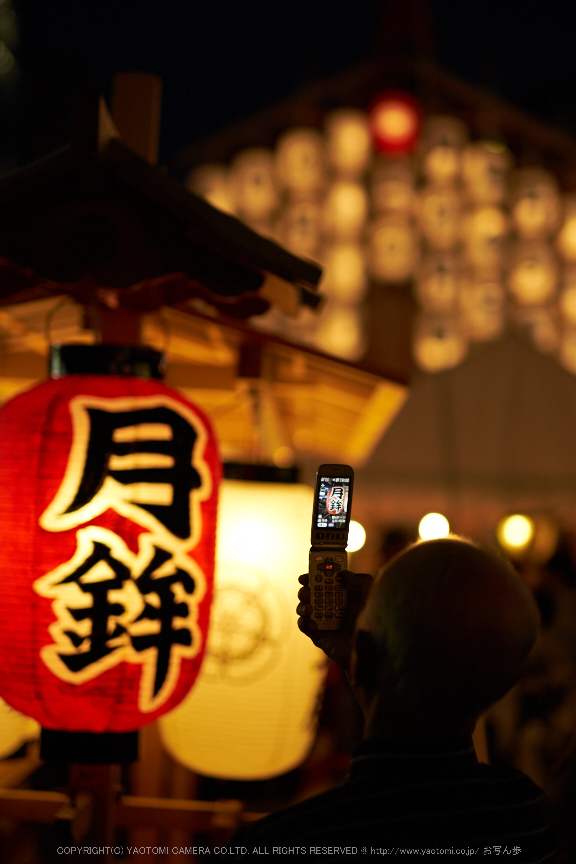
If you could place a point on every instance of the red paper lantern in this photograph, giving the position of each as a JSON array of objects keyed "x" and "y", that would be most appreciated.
[
  {"x": 395, "y": 121},
  {"x": 108, "y": 498}
]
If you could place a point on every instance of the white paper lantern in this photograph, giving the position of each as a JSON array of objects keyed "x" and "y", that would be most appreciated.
[
  {"x": 392, "y": 249},
  {"x": 485, "y": 167},
  {"x": 300, "y": 227},
  {"x": 439, "y": 215},
  {"x": 251, "y": 714},
  {"x": 341, "y": 332},
  {"x": 437, "y": 283},
  {"x": 441, "y": 144},
  {"x": 392, "y": 187},
  {"x": 344, "y": 277},
  {"x": 439, "y": 342},
  {"x": 533, "y": 275},
  {"x": 349, "y": 142},
  {"x": 345, "y": 210},
  {"x": 535, "y": 204},
  {"x": 484, "y": 230},
  {"x": 253, "y": 179},
  {"x": 300, "y": 161}
]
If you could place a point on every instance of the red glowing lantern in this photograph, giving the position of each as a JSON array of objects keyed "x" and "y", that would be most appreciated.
[
  {"x": 395, "y": 121},
  {"x": 108, "y": 498}
]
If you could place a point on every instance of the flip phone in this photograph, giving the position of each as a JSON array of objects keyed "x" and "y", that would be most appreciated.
[{"x": 330, "y": 522}]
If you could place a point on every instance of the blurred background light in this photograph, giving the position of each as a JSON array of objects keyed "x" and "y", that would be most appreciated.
[
  {"x": 345, "y": 273},
  {"x": 439, "y": 342},
  {"x": 515, "y": 532},
  {"x": 485, "y": 166},
  {"x": 345, "y": 210},
  {"x": 392, "y": 186},
  {"x": 439, "y": 216},
  {"x": 437, "y": 283},
  {"x": 254, "y": 184},
  {"x": 356, "y": 536},
  {"x": 300, "y": 161},
  {"x": 432, "y": 526},
  {"x": 393, "y": 249},
  {"x": 349, "y": 146},
  {"x": 535, "y": 203},
  {"x": 533, "y": 275},
  {"x": 395, "y": 122},
  {"x": 484, "y": 246},
  {"x": 441, "y": 144}
]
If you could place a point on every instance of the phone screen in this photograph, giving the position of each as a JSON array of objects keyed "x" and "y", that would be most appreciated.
[{"x": 332, "y": 502}]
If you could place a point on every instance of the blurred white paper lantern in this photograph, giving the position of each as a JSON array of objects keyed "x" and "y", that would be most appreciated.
[
  {"x": 484, "y": 230},
  {"x": 439, "y": 214},
  {"x": 485, "y": 166},
  {"x": 300, "y": 161},
  {"x": 349, "y": 142},
  {"x": 300, "y": 227},
  {"x": 437, "y": 283},
  {"x": 566, "y": 240},
  {"x": 482, "y": 306},
  {"x": 533, "y": 275},
  {"x": 341, "y": 332},
  {"x": 392, "y": 249},
  {"x": 251, "y": 714},
  {"x": 344, "y": 273},
  {"x": 15, "y": 730},
  {"x": 345, "y": 210},
  {"x": 255, "y": 190},
  {"x": 535, "y": 203},
  {"x": 392, "y": 187},
  {"x": 439, "y": 342},
  {"x": 212, "y": 182},
  {"x": 441, "y": 144}
]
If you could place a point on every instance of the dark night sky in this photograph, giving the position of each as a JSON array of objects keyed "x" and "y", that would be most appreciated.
[{"x": 221, "y": 61}]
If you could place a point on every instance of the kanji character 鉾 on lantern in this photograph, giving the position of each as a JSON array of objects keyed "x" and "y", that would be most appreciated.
[{"x": 108, "y": 500}]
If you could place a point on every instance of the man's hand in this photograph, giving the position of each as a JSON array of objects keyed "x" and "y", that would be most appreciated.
[{"x": 337, "y": 644}]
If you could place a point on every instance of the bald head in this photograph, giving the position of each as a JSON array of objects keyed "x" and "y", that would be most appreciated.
[{"x": 452, "y": 625}]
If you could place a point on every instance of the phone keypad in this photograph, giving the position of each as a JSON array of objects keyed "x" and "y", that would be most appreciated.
[{"x": 329, "y": 593}]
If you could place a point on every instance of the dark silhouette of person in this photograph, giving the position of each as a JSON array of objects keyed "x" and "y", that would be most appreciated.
[{"x": 441, "y": 633}]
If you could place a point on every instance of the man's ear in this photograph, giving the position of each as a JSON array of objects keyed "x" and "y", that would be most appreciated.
[{"x": 366, "y": 661}]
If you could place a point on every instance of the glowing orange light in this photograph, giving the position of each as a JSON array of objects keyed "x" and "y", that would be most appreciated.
[{"x": 395, "y": 122}]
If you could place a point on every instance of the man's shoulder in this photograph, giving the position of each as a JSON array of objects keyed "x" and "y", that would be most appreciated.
[
  {"x": 488, "y": 806},
  {"x": 305, "y": 818}
]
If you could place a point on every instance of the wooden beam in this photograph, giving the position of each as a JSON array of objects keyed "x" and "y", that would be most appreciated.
[
  {"x": 32, "y": 805},
  {"x": 132, "y": 811},
  {"x": 136, "y": 105}
]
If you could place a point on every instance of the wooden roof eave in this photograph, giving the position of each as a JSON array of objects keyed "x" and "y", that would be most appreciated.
[{"x": 202, "y": 224}]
